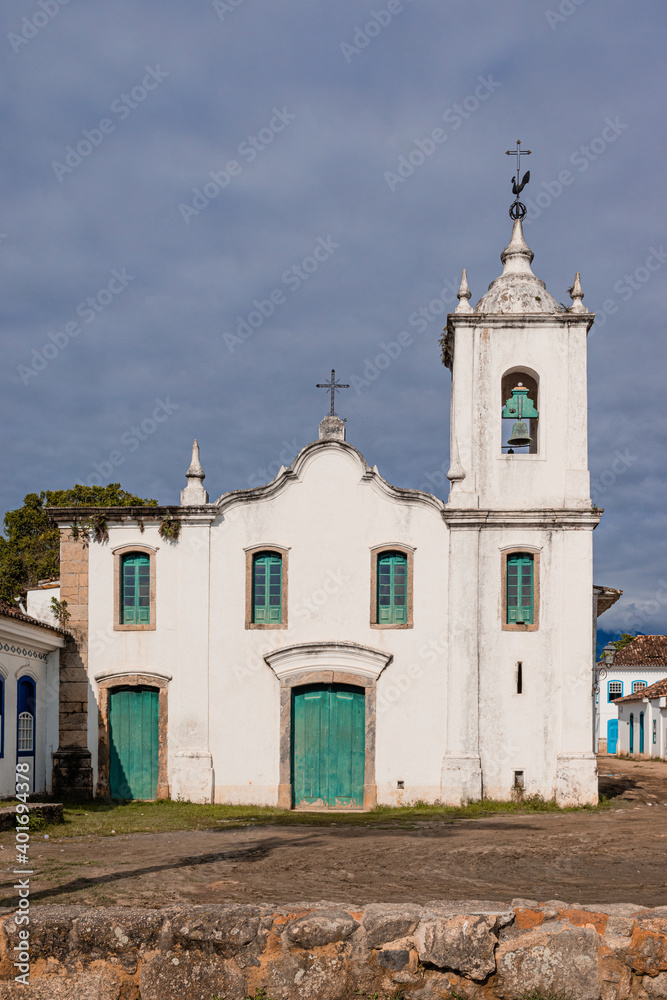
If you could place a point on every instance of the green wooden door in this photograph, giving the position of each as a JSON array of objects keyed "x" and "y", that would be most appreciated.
[
  {"x": 133, "y": 743},
  {"x": 328, "y": 746}
]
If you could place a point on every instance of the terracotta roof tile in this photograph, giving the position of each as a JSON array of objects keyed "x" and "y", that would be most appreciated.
[
  {"x": 8, "y": 610},
  {"x": 657, "y": 690},
  {"x": 645, "y": 651}
]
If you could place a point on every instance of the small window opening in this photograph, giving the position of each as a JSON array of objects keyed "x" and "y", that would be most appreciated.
[
  {"x": 519, "y": 779},
  {"x": 519, "y": 678},
  {"x": 400, "y": 784}
]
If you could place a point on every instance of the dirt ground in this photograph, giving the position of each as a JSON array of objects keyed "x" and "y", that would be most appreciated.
[{"x": 615, "y": 855}]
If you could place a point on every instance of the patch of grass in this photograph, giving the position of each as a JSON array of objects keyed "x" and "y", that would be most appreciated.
[{"x": 108, "y": 818}]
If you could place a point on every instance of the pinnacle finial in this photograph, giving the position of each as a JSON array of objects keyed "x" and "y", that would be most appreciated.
[
  {"x": 576, "y": 293},
  {"x": 195, "y": 471},
  {"x": 463, "y": 295},
  {"x": 517, "y": 255},
  {"x": 194, "y": 493}
]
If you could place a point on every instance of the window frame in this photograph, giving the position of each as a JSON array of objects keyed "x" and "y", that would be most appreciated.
[
  {"x": 251, "y": 553},
  {"x": 611, "y": 700},
  {"x": 408, "y": 552},
  {"x": 21, "y": 682},
  {"x": 119, "y": 555},
  {"x": 636, "y": 690},
  {"x": 515, "y": 550}
]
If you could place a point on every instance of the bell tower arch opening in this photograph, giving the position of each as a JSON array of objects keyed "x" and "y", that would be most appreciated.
[{"x": 520, "y": 412}]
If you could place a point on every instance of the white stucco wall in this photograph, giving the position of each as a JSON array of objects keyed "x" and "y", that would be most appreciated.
[{"x": 655, "y": 711}]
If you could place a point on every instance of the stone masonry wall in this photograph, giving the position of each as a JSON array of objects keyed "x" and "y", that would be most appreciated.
[
  {"x": 327, "y": 951},
  {"x": 72, "y": 769}
]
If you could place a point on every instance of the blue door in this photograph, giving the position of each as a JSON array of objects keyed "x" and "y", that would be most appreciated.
[
  {"x": 612, "y": 735},
  {"x": 641, "y": 732}
]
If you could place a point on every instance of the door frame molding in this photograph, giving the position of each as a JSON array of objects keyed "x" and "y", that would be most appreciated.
[
  {"x": 303, "y": 679},
  {"x": 105, "y": 686}
]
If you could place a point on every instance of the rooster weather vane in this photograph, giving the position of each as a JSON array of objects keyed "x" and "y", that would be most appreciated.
[{"x": 517, "y": 209}]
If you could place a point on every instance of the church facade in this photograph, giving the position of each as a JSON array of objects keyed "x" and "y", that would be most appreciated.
[{"x": 328, "y": 640}]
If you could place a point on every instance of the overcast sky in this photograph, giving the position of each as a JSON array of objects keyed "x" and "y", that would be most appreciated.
[{"x": 134, "y": 283}]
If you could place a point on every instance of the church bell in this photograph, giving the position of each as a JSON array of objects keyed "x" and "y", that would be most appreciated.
[
  {"x": 520, "y": 437},
  {"x": 520, "y": 406}
]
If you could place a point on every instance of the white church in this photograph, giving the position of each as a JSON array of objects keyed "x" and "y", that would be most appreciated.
[{"x": 328, "y": 640}]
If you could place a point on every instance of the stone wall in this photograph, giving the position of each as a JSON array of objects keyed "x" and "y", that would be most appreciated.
[
  {"x": 72, "y": 768},
  {"x": 327, "y": 951}
]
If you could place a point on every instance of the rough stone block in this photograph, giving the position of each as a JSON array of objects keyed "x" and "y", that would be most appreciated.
[
  {"x": 116, "y": 930},
  {"x": 224, "y": 930},
  {"x": 386, "y": 922},
  {"x": 93, "y": 984},
  {"x": 656, "y": 986},
  {"x": 462, "y": 943},
  {"x": 321, "y": 927},
  {"x": 195, "y": 976},
  {"x": 562, "y": 959},
  {"x": 647, "y": 950}
]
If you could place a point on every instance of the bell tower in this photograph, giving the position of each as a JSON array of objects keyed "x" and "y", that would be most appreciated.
[{"x": 521, "y": 522}]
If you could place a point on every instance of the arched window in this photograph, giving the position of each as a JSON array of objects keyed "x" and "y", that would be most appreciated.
[
  {"x": 638, "y": 686},
  {"x": 25, "y": 723},
  {"x": 267, "y": 588},
  {"x": 519, "y": 415},
  {"x": 392, "y": 588},
  {"x": 135, "y": 589}
]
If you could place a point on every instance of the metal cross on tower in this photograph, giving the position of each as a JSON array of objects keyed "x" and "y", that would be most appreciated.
[
  {"x": 333, "y": 387},
  {"x": 518, "y": 210}
]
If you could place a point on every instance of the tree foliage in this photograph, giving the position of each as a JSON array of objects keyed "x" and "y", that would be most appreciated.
[
  {"x": 624, "y": 640},
  {"x": 30, "y": 550}
]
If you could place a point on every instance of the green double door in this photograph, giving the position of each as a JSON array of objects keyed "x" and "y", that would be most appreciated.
[
  {"x": 328, "y": 746},
  {"x": 133, "y": 743}
]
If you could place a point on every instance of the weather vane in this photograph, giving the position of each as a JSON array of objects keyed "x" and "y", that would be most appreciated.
[
  {"x": 333, "y": 387},
  {"x": 517, "y": 209}
]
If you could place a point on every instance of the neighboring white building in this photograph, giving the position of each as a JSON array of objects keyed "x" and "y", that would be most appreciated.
[
  {"x": 331, "y": 640},
  {"x": 642, "y": 721},
  {"x": 29, "y": 668},
  {"x": 623, "y": 672}
]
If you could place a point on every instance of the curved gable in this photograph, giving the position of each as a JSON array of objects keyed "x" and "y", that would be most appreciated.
[{"x": 306, "y": 458}]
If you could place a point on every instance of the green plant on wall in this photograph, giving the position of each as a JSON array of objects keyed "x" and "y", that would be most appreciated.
[
  {"x": 60, "y": 611},
  {"x": 170, "y": 528}
]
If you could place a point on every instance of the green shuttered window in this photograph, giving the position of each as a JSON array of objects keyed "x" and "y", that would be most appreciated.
[
  {"x": 267, "y": 586},
  {"x": 392, "y": 589},
  {"x": 520, "y": 589},
  {"x": 136, "y": 589}
]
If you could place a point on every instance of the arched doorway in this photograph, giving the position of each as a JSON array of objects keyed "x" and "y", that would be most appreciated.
[
  {"x": 328, "y": 746},
  {"x": 641, "y": 732}
]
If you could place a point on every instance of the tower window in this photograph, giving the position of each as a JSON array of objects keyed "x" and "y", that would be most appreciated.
[
  {"x": 519, "y": 415},
  {"x": 520, "y": 598}
]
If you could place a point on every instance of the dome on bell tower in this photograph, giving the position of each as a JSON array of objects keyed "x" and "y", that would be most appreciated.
[{"x": 517, "y": 290}]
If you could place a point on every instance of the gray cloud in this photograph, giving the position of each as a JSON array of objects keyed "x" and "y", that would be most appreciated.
[{"x": 322, "y": 176}]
